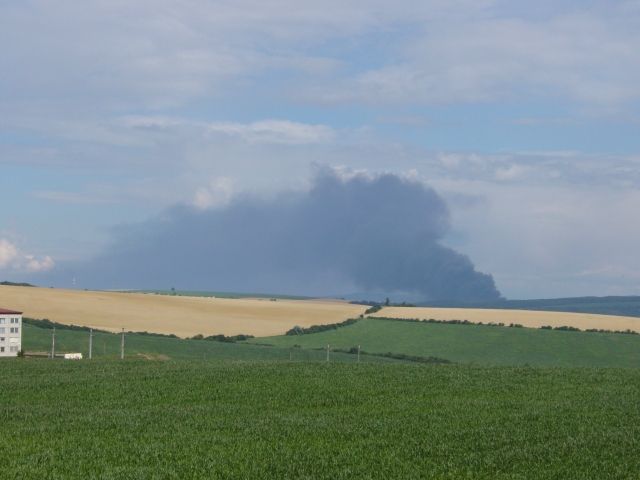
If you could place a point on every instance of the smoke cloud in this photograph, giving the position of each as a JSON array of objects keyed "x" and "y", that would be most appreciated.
[{"x": 369, "y": 233}]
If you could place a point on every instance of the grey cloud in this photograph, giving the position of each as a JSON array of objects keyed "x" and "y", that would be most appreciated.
[{"x": 374, "y": 233}]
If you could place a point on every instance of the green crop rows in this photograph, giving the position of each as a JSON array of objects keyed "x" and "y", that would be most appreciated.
[
  {"x": 476, "y": 343},
  {"x": 206, "y": 420}
]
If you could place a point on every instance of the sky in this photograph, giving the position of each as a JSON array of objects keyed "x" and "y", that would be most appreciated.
[{"x": 522, "y": 117}]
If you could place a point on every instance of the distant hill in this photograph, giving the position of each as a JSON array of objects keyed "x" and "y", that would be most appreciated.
[
  {"x": 16, "y": 284},
  {"x": 612, "y": 305}
]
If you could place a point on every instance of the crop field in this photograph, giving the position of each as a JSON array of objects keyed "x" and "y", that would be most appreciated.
[
  {"x": 203, "y": 420},
  {"x": 527, "y": 318},
  {"x": 613, "y": 305},
  {"x": 479, "y": 344},
  {"x": 179, "y": 315},
  {"x": 107, "y": 346},
  {"x": 204, "y": 293}
]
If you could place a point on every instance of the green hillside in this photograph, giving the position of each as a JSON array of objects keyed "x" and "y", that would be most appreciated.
[
  {"x": 479, "y": 344},
  {"x": 106, "y": 345},
  {"x": 228, "y": 420}
]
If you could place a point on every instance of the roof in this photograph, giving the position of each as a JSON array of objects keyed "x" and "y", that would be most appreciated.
[{"x": 9, "y": 312}]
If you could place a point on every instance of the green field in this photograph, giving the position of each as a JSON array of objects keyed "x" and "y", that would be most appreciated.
[
  {"x": 477, "y": 343},
  {"x": 203, "y": 420},
  {"x": 107, "y": 346}
]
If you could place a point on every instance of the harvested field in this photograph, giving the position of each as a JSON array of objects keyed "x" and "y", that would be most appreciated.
[
  {"x": 526, "y": 318},
  {"x": 182, "y": 316}
]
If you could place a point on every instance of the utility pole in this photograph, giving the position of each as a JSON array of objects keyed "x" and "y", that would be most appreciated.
[
  {"x": 90, "y": 343},
  {"x": 122, "y": 346},
  {"x": 53, "y": 343}
]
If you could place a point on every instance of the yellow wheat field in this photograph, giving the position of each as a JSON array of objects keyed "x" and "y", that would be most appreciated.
[
  {"x": 526, "y": 318},
  {"x": 182, "y": 316}
]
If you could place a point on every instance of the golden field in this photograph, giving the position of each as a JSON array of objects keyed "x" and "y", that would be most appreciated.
[
  {"x": 526, "y": 318},
  {"x": 182, "y": 316}
]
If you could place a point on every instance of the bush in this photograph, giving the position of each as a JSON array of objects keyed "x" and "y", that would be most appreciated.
[
  {"x": 373, "y": 309},
  {"x": 566, "y": 328}
]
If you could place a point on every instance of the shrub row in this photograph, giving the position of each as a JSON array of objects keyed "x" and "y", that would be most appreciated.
[
  {"x": 297, "y": 330},
  {"x": 452, "y": 322},
  {"x": 396, "y": 356},
  {"x": 222, "y": 338},
  {"x": 565, "y": 328},
  {"x": 589, "y": 330},
  {"x": 50, "y": 325}
]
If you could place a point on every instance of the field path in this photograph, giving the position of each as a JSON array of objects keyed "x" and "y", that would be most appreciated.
[
  {"x": 182, "y": 316},
  {"x": 526, "y": 318}
]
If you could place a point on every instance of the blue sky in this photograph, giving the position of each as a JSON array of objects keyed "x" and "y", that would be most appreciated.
[{"x": 524, "y": 117}]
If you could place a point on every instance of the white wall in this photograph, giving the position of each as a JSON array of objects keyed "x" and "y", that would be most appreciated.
[{"x": 10, "y": 343}]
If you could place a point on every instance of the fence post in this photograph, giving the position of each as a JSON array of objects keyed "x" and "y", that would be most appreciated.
[
  {"x": 53, "y": 343},
  {"x": 358, "y": 353},
  {"x": 90, "y": 343},
  {"x": 122, "y": 346},
  {"x": 327, "y": 353}
]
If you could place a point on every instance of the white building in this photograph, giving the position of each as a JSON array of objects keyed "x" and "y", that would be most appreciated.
[{"x": 10, "y": 333}]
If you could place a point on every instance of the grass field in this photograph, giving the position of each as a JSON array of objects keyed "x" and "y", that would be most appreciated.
[
  {"x": 203, "y": 420},
  {"x": 107, "y": 346},
  {"x": 179, "y": 315},
  {"x": 528, "y": 318},
  {"x": 479, "y": 344}
]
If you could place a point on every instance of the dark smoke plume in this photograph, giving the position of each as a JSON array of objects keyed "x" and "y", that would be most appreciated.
[{"x": 373, "y": 234}]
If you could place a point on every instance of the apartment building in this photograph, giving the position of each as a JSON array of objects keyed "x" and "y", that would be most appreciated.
[{"x": 10, "y": 333}]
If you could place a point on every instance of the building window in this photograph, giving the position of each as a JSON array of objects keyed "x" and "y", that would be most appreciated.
[
  {"x": 3, "y": 321},
  {"x": 15, "y": 320},
  {"x": 13, "y": 349},
  {"x": 2, "y": 339},
  {"x": 1, "y": 349},
  {"x": 14, "y": 330}
]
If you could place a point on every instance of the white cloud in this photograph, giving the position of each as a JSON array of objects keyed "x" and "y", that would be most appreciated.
[
  {"x": 263, "y": 131},
  {"x": 14, "y": 260},
  {"x": 33, "y": 264},
  {"x": 511, "y": 172},
  {"x": 590, "y": 57},
  {"x": 123, "y": 56},
  {"x": 217, "y": 193},
  {"x": 8, "y": 253},
  {"x": 275, "y": 131},
  {"x": 160, "y": 53}
]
